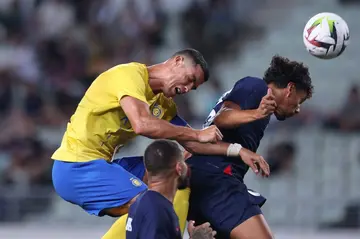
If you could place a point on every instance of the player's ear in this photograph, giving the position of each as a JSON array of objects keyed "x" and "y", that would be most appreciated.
[
  {"x": 290, "y": 89},
  {"x": 178, "y": 169},
  {"x": 179, "y": 60}
]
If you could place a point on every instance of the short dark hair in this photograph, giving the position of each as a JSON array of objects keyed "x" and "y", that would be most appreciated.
[
  {"x": 282, "y": 71},
  {"x": 160, "y": 156},
  {"x": 198, "y": 59}
]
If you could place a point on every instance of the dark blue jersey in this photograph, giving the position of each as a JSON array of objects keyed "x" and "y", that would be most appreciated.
[
  {"x": 247, "y": 93},
  {"x": 152, "y": 216}
]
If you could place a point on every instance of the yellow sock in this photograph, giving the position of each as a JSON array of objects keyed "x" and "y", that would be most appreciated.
[
  {"x": 181, "y": 206},
  {"x": 117, "y": 230}
]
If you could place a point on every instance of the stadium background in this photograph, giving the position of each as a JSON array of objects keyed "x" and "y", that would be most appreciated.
[{"x": 51, "y": 50}]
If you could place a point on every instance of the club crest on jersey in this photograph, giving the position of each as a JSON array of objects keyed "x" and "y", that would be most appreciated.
[
  {"x": 136, "y": 182},
  {"x": 157, "y": 111}
]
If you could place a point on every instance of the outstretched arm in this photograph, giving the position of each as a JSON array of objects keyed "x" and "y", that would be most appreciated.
[
  {"x": 252, "y": 159},
  {"x": 220, "y": 148},
  {"x": 147, "y": 125}
]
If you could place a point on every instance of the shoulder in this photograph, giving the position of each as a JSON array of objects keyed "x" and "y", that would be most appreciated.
[
  {"x": 165, "y": 101},
  {"x": 152, "y": 210},
  {"x": 164, "y": 108},
  {"x": 131, "y": 70},
  {"x": 154, "y": 203},
  {"x": 251, "y": 84},
  {"x": 247, "y": 92}
]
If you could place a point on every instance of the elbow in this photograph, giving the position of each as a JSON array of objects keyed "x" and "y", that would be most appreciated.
[
  {"x": 139, "y": 127},
  {"x": 219, "y": 122}
]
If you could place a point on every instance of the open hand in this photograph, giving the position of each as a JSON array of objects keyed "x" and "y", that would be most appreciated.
[{"x": 255, "y": 161}]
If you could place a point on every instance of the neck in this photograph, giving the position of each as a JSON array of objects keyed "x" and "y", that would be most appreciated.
[
  {"x": 166, "y": 187},
  {"x": 156, "y": 77}
]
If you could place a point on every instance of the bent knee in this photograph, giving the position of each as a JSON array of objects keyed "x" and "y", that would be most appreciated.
[{"x": 119, "y": 211}]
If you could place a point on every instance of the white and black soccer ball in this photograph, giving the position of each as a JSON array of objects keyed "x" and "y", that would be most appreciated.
[{"x": 326, "y": 35}]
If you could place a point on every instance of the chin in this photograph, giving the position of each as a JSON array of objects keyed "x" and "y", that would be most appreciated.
[{"x": 280, "y": 117}]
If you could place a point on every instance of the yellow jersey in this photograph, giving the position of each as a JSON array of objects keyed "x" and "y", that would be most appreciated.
[{"x": 99, "y": 126}]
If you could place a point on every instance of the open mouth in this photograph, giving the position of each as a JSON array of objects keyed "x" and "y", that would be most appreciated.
[{"x": 178, "y": 90}]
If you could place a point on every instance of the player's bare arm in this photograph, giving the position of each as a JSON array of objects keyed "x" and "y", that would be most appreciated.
[
  {"x": 231, "y": 115},
  {"x": 255, "y": 161},
  {"x": 147, "y": 125}
]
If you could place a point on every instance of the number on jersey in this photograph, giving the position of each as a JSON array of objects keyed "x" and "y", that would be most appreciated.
[
  {"x": 128, "y": 224},
  {"x": 209, "y": 120}
]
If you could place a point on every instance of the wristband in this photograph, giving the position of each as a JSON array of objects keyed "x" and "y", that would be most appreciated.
[{"x": 233, "y": 150}]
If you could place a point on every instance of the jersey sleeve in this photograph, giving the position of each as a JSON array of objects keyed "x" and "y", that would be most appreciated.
[
  {"x": 156, "y": 225},
  {"x": 168, "y": 107},
  {"x": 128, "y": 81},
  {"x": 247, "y": 94},
  {"x": 177, "y": 120}
]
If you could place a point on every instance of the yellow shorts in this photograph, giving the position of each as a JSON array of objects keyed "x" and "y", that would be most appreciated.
[{"x": 181, "y": 206}]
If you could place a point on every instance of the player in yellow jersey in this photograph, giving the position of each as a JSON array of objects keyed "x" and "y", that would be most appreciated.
[{"x": 123, "y": 102}]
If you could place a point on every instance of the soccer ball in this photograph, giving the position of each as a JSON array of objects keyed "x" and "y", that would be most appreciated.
[{"x": 326, "y": 35}]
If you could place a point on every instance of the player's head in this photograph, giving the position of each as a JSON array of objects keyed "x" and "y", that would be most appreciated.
[
  {"x": 163, "y": 159},
  {"x": 187, "y": 70},
  {"x": 291, "y": 84}
]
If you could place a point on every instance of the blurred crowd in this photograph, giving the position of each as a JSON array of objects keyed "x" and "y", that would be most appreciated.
[{"x": 51, "y": 51}]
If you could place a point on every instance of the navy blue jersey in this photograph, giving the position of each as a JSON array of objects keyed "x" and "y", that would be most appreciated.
[
  {"x": 247, "y": 93},
  {"x": 152, "y": 216}
]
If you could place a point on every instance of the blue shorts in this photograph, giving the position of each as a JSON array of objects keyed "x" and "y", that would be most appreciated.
[
  {"x": 220, "y": 199},
  {"x": 97, "y": 185}
]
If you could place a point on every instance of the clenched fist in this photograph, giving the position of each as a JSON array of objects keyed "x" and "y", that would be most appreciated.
[{"x": 209, "y": 135}]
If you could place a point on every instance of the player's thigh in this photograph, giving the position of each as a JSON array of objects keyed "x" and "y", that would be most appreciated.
[
  {"x": 120, "y": 190},
  {"x": 255, "y": 227},
  {"x": 181, "y": 206},
  {"x": 97, "y": 186},
  {"x": 133, "y": 164},
  {"x": 221, "y": 200}
]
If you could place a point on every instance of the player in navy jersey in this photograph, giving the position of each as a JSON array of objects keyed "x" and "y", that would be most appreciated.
[
  {"x": 152, "y": 215},
  {"x": 218, "y": 193}
]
